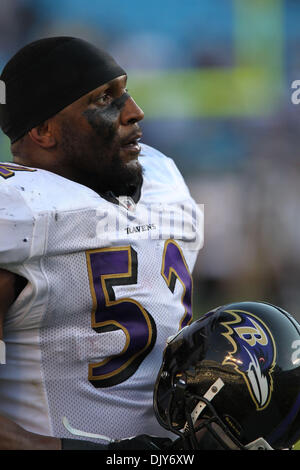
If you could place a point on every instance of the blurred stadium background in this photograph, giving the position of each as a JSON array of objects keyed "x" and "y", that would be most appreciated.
[{"x": 214, "y": 79}]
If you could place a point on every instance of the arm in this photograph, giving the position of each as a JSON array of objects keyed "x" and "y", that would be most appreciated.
[
  {"x": 7, "y": 294},
  {"x": 12, "y": 436}
]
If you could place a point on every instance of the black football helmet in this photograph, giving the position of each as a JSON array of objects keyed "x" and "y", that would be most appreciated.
[{"x": 231, "y": 380}]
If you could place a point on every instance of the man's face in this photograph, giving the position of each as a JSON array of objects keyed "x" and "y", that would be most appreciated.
[{"x": 98, "y": 144}]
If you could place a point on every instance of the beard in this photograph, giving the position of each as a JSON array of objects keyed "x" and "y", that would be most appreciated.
[
  {"x": 95, "y": 162},
  {"x": 119, "y": 178}
]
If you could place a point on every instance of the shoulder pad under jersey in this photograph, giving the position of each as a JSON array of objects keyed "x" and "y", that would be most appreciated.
[{"x": 16, "y": 226}]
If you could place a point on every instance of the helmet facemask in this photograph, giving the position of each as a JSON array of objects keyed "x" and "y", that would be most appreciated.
[
  {"x": 193, "y": 417},
  {"x": 195, "y": 420}
]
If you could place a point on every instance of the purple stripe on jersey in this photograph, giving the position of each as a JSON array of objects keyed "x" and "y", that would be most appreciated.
[{"x": 7, "y": 170}]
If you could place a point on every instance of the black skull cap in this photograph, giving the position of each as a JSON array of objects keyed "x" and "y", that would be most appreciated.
[{"x": 46, "y": 76}]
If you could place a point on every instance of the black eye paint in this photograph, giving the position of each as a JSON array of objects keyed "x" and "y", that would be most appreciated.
[
  {"x": 120, "y": 102},
  {"x": 103, "y": 120}
]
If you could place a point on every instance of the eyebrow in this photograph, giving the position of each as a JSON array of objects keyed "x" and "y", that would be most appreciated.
[
  {"x": 106, "y": 86},
  {"x": 95, "y": 94}
]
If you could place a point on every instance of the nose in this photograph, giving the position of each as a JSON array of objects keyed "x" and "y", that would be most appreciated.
[{"x": 131, "y": 112}]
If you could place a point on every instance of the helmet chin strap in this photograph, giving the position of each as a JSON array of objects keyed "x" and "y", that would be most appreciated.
[
  {"x": 258, "y": 444},
  {"x": 209, "y": 395}
]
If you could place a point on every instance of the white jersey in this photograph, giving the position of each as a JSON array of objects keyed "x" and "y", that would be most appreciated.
[{"x": 107, "y": 284}]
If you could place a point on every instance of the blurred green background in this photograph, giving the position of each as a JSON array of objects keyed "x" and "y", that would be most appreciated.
[{"x": 214, "y": 79}]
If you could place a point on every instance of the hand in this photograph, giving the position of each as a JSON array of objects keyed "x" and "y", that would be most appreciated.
[{"x": 141, "y": 442}]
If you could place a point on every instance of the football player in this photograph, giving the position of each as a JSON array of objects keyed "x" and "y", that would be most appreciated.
[{"x": 98, "y": 239}]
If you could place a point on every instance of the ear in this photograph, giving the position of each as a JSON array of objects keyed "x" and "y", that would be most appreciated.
[{"x": 43, "y": 135}]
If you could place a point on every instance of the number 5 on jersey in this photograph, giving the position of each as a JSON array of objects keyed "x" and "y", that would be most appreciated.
[{"x": 109, "y": 267}]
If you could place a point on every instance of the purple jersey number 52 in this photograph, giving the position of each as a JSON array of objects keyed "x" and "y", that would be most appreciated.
[{"x": 109, "y": 267}]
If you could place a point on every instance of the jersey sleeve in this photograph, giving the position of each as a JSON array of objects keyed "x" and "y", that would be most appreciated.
[{"x": 16, "y": 227}]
